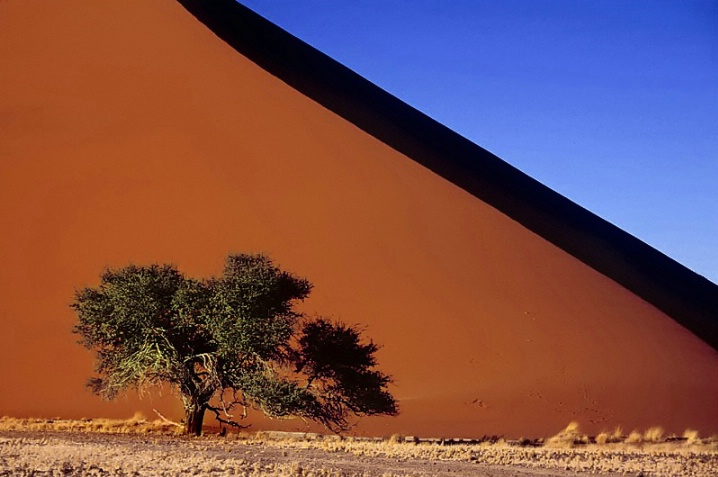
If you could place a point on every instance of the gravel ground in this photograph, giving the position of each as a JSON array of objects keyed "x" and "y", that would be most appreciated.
[{"x": 34, "y": 453}]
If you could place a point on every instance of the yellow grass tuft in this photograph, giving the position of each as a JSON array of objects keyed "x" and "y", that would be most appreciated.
[
  {"x": 610, "y": 437},
  {"x": 569, "y": 437},
  {"x": 138, "y": 417},
  {"x": 653, "y": 434},
  {"x": 691, "y": 437},
  {"x": 634, "y": 437}
]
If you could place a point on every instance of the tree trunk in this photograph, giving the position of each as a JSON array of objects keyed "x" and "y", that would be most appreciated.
[{"x": 194, "y": 415}]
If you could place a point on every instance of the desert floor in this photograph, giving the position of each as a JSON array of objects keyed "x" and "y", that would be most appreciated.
[{"x": 31, "y": 451}]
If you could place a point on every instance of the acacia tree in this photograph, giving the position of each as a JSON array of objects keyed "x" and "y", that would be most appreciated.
[{"x": 228, "y": 342}]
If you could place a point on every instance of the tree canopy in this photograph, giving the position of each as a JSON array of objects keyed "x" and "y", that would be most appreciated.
[{"x": 229, "y": 342}]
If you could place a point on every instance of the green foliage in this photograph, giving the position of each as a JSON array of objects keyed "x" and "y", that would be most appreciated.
[
  {"x": 333, "y": 357},
  {"x": 227, "y": 341}
]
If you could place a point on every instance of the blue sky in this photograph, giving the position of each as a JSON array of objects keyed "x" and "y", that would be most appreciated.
[{"x": 612, "y": 103}]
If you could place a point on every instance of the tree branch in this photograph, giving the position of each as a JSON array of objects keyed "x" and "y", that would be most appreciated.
[
  {"x": 167, "y": 420},
  {"x": 228, "y": 422}
]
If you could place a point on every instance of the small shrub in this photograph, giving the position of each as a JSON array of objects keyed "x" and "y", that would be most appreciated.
[
  {"x": 654, "y": 434},
  {"x": 569, "y": 437},
  {"x": 634, "y": 437},
  {"x": 610, "y": 437},
  {"x": 691, "y": 437}
]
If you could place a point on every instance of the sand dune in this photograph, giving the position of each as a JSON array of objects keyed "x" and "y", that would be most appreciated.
[{"x": 130, "y": 133}]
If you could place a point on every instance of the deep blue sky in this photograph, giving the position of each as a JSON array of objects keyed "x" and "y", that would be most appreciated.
[{"x": 612, "y": 103}]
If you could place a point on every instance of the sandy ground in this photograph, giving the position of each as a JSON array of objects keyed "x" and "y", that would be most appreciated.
[{"x": 31, "y": 453}]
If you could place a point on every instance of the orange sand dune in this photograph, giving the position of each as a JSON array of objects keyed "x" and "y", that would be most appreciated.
[{"x": 130, "y": 133}]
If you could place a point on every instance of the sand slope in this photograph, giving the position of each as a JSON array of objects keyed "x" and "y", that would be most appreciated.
[{"x": 130, "y": 133}]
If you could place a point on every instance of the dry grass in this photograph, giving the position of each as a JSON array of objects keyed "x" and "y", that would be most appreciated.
[
  {"x": 691, "y": 437},
  {"x": 654, "y": 434},
  {"x": 634, "y": 437},
  {"x": 137, "y": 424},
  {"x": 610, "y": 437},
  {"x": 650, "y": 459},
  {"x": 138, "y": 447},
  {"x": 569, "y": 437}
]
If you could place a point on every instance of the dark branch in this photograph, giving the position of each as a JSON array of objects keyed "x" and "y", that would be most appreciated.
[{"x": 229, "y": 422}]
